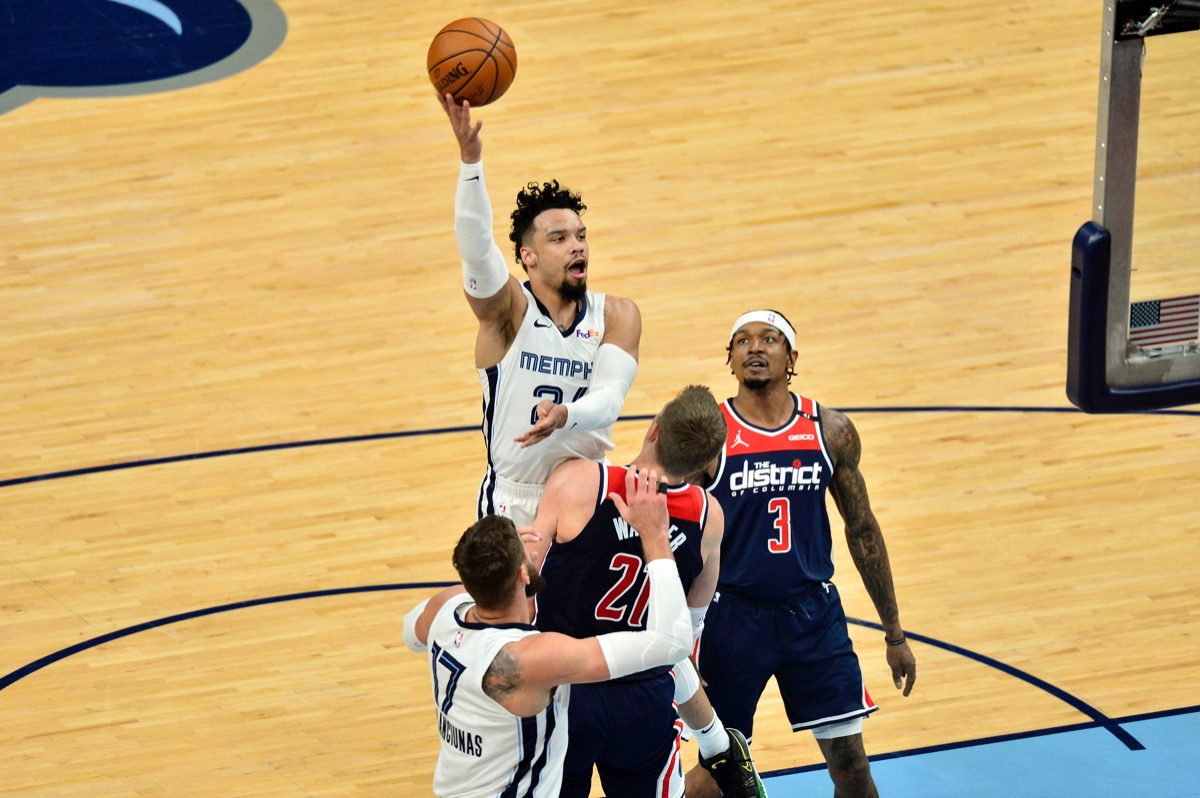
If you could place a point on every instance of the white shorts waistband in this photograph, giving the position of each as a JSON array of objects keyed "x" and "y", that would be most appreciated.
[{"x": 519, "y": 490}]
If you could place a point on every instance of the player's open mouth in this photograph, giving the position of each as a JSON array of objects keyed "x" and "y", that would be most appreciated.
[
  {"x": 578, "y": 268},
  {"x": 755, "y": 363}
]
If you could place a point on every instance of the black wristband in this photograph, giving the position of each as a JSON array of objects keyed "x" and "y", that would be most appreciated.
[{"x": 899, "y": 642}]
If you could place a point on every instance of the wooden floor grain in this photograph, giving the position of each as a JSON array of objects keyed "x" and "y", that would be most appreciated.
[{"x": 269, "y": 260}]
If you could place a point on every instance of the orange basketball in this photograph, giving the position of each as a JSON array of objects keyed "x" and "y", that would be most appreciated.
[{"x": 472, "y": 59}]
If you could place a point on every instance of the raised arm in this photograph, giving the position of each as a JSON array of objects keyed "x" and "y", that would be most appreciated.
[
  {"x": 616, "y": 366},
  {"x": 494, "y": 295},
  {"x": 524, "y": 672},
  {"x": 865, "y": 540}
]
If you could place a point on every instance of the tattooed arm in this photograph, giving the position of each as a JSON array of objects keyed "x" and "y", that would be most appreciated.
[{"x": 865, "y": 540}]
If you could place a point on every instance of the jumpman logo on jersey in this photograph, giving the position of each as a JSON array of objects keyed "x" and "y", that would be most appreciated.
[{"x": 738, "y": 441}]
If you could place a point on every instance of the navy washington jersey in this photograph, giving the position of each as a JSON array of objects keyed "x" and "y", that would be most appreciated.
[
  {"x": 771, "y": 485},
  {"x": 596, "y": 583}
]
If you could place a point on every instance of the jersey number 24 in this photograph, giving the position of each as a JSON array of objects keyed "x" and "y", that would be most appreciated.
[{"x": 554, "y": 394}]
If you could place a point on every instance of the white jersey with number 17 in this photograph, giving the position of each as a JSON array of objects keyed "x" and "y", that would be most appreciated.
[{"x": 487, "y": 752}]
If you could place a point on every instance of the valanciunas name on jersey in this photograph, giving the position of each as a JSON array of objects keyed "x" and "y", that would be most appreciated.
[{"x": 464, "y": 741}]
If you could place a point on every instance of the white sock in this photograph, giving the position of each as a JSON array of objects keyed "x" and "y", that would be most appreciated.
[{"x": 713, "y": 739}]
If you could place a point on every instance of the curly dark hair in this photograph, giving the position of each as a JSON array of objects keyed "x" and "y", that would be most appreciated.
[
  {"x": 531, "y": 201},
  {"x": 791, "y": 372}
]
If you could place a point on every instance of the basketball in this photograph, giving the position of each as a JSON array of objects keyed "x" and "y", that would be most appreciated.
[{"x": 473, "y": 60}]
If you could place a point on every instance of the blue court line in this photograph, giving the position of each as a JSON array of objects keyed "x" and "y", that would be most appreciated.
[
  {"x": 272, "y": 447},
  {"x": 269, "y": 447},
  {"x": 910, "y": 755},
  {"x": 1068, "y": 760},
  {"x": 50, "y": 659},
  {"x": 1098, "y": 717},
  {"x": 998, "y": 738}
]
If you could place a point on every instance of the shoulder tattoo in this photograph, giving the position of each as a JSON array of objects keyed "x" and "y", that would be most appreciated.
[{"x": 503, "y": 676}]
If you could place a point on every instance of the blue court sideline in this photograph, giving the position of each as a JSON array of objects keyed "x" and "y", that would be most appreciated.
[{"x": 1083, "y": 763}]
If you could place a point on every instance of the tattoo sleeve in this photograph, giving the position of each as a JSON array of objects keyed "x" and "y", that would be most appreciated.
[
  {"x": 863, "y": 536},
  {"x": 503, "y": 676}
]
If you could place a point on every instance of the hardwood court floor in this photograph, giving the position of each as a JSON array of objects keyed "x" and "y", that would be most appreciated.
[{"x": 268, "y": 260}]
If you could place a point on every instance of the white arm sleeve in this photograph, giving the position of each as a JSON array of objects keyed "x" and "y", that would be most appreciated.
[
  {"x": 687, "y": 681},
  {"x": 484, "y": 269},
  {"x": 668, "y": 634},
  {"x": 612, "y": 375},
  {"x": 409, "y": 635}
]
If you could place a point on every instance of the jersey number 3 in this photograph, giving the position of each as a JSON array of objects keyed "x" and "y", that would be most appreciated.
[{"x": 782, "y": 540}]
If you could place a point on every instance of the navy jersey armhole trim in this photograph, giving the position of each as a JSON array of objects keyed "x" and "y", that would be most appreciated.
[
  {"x": 465, "y": 624},
  {"x": 580, "y": 312},
  {"x": 602, "y": 488},
  {"x": 825, "y": 450},
  {"x": 796, "y": 411}
]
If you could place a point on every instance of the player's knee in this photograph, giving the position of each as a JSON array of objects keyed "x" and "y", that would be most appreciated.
[
  {"x": 847, "y": 759},
  {"x": 851, "y": 767}
]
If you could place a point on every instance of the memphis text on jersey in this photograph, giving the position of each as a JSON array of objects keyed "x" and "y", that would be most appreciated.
[
  {"x": 464, "y": 741},
  {"x": 765, "y": 475},
  {"x": 558, "y": 366}
]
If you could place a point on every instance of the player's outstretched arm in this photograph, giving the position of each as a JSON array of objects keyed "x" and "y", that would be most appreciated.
[
  {"x": 524, "y": 672},
  {"x": 493, "y": 294},
  {"x": 865, "y": 540},
  {"x": 416, "y": 623},
  {"x": 612, "y": 374}
]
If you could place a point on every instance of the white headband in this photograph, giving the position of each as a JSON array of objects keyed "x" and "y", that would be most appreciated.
[{"x": 766, "y": 317}]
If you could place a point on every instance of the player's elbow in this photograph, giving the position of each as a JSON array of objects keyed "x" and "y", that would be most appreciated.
[{"x": 678, "y": 639}]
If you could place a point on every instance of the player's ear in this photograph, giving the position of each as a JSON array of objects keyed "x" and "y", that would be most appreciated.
[{"x": 528, "y": 257}]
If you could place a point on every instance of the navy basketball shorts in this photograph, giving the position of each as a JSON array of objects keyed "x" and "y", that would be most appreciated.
[
  {"x": 802, "y": 642},
  {"x": 630, "y": 732}
]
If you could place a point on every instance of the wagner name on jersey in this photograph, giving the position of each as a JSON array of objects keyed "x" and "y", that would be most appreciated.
[
  {"x": 596, "y": 582},
  {"x": 486, "y": 750},
  {"x": 543, "y": 362}
]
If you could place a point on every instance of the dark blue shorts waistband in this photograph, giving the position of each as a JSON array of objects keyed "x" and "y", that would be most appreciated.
[{"x": 801, "y": 593}]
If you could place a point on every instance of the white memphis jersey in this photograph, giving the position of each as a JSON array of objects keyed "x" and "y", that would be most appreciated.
[
  {"x": 542, "y": 363},
  {"x": 487, "y": 752}
]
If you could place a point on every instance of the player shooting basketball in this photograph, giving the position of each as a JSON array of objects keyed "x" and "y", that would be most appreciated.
[{"x": 555, "y": 360}]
